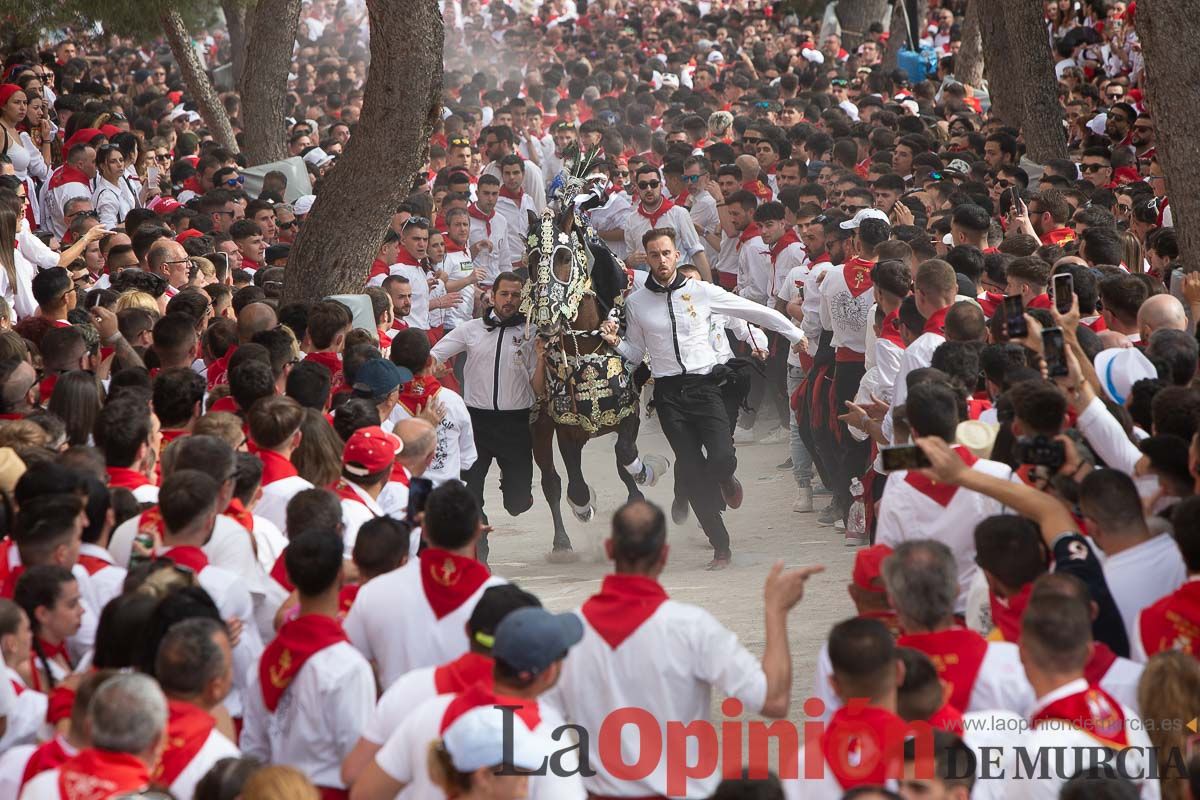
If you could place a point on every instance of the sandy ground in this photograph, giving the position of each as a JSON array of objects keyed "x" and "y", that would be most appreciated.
[{"x": 763, "y": 530}]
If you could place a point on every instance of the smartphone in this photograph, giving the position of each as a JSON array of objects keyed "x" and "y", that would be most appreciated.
[
  {"x": 1054, "y": 351},
  {"x": 1014, "y": 317},
  {"x": 904, "y": 456},
  {"x": 418, "y": 493},
  {"x": 1064, "y": 290},
  {"x": 152, "y": 176}
]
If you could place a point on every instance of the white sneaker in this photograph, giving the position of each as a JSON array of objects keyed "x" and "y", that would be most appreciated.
[
  {"x": 804, "y": 500},
  {"x": 654, "y": 467},
  {"x": 777, "y": 435},
  {"x": 744, "y": 436}
]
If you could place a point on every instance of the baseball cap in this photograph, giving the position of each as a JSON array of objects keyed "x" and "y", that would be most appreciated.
[
  {"x": 868, "y": 567},
  {"x": 1119, "y": 368},
  {"x": 317, "y": 157},
  {"x": 164, "y": 204},
  {"x": 303, "y": 204},
  {"x": 864, "y": 213},
  {"x": 379, "y": 378},
  {"x": 531, "y": 639},
  {"x": 82, "y": 135},
  {"x": 496, "y": 603},
  {"x": 175, "y": 113},
  {"x": 370, "y": 450},
  {"x": 277, "y": 251},
  {"x": 478, "y": 739}
]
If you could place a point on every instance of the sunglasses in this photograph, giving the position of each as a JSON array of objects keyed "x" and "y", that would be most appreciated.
[
  {"x": 1093, "y": 167},
  {"x": 1115, "y": 96},
  {"x": 420, "y": 221},
  {"x": 691, "y": 178},
  {"x": 1003, "y": 184},
  {"x": 285, "y": 226},
  {"x": 648, "y": 184},
  {"x": 238, "y": 181},
  {"x": 751, "y": 140}
]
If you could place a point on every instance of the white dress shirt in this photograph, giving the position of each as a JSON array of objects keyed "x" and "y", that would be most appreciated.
[
  {"x": 498, "y": 259},
  {"x": 215, "y": 748},
  {"x": 499, "y": 364},
  {"x": 1143, "y": 574},
  {"x": 455, "y": 449},
  {"x": 112, "y": 201},
  {"x": 676, "y": 218},
  {"x": 275, "y": 498}
]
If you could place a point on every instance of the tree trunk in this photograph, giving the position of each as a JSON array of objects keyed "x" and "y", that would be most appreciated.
[
  {"x": 898, "y": 36},
  {"x": 236, "y": 20},
  {"x": 855, "y": 16},
  {"x": 1167, "y": 34},
  {"x": 199, "y": 87},
  {"x": 264, "y": 84},
  {"x": 401, "y": 103},
  {"x": 1032, "y": 67},
  {"x": 968, "y": 64},
  {"x": 1004, "y": 88}
]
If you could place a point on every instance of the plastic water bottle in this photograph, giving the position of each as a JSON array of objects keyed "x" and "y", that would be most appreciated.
[{"x": 856, "y": 519}]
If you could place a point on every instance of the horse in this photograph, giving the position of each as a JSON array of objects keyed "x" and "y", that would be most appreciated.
[{"x": 575, "y": 284}]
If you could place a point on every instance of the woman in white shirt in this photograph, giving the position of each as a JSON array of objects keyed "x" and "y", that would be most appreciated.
[
  {"x": 16, "y": 274},
  {"x": 112, "y": 198}
]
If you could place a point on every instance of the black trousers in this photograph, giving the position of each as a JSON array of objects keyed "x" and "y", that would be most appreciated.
[
  {"x": 849, "y": 456},
  {"x": 691, "y": 410},
  {"x": 503, "y": 436},
  {"x": 734, "y": 390}
]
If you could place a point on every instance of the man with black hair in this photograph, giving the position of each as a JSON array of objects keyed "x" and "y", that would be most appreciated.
[
  {"x": 128, "y": 434},
  {"x": 325, "y": 336},
  {"x": 63, "y": 349},
  {"x": 515, "y": 203},
  {"x": 250, "y": 380},
  {"x": 175, "y": 342},
  {"x": 194, "y": 667},
  {"x": 499, "y": 142},
  {"x": 438, "y": 590},
  {"x": 489, "y": 232},
  {"x": 309, "y": 384},
  {"x": 177, "y": 401},
  {"x": 953, "y": 774},
  {"x": 311, "y": 692},
  {"x": 654, "y": 211},
  {"x": 55, "y": 294},
  {"x": 274, "y": 428},
  {"x": 1104, "y": 246}
]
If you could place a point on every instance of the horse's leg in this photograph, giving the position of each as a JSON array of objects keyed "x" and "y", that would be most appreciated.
[
  {"x": 627, "y": 451},
  {"x": 543, "y": 454},
  {"x": 579, "y": 494}
]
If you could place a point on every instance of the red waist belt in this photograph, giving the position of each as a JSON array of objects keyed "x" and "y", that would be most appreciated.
[{"x": 845, "y": 355}]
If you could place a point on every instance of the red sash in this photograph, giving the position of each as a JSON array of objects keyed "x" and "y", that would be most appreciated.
[
  {"x": 1092, "y": 711},
  {"x": 658, "y": 213},
  {"x": 296, "y": 642},
  {"x": 622, "y": 605},
  {"x": 188, "y": 728},
  {"x": 1007, "y": 612},
  {"x": 857, "y": 274},
  {"x": 449, "y": 580},
  {"x": 332, "y": 361},
  {"x": 275, "y": 466},
  {"x": 860, "y": 745},
  {"x": 100, "y": 774},
  {"x": 418, "y": 392},
  {"x": 466, "y": 670},
  {"x": 1102, "y": 660},
  {"x": 479, "y": 695},
  {"x": 940, "y": 493},
  {"x": 957, "y": 654},
  {"x": 937, "y": 322},
  {"x": 1173, "y": 623},
  {"x": 125, "y": 478},
  {"x": 47, "y": 757},
  {"x": 186, "y": 556}
]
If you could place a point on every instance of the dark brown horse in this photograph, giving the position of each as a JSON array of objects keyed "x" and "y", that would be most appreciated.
[{"x": 575, "y": 283}]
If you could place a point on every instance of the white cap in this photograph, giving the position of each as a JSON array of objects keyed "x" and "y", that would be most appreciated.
[
  {"x": 958, "y": 165},
  {"x": 864, "y": 213},
  {"x": 813, "y": 55},
  {"x": 317, "y": 157},
  {"x": 175, "y": 113},
  {"x": 1098, "y": 123},
  {"x": 476, "y": 740},
  {"x": 948, "y": 240},
  {"x": 1119, "y": 368},
  {"x": 715, "y": 56},
  {"x": 193, "y": 116},
  {"x": 304, "y": 204}
]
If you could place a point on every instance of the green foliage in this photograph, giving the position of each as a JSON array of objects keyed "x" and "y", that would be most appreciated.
[{"x": 24, "y": 23}]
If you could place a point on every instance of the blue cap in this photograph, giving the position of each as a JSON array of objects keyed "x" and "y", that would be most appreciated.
[
  {"x": 531, "y": 639},
  {"x": 379, "y": 377}
]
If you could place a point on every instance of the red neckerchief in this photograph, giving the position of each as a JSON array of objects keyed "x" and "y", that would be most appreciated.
[
  {"x": 68, "y": 174},
  {"x": 49, "y": 756},
  {"x": 346, "y": 597},
  {"x": 783, "y": 243},
  {"x": 682, "y": 198},
  {"x": 937, "y": 322},
  {"x": 275, "y": 466},
  {"x": 957, "y": 654},
  {"x": 748, "y": 233},
  {"x": 940, "y": 493},
  {"x": 464, "y": 671},
  {"x": 125, "y": 478},
  {"x": 46, "y": 387},
  {"x": 188, "y": 728},
  {"x": 192, "y": 184},
  {"x": 480, "y": 695},
  {"x": 1101, "y": 661},
  {"x": 758, "y": 189},
  {"x": 1168, "y": 624},
  {"x": 1093, "y": 712},
  {"x": 385, "y": 341},
  {"x": 822, "y": 258},
  {"x": 514, "y": 196},
  {"x": 241, "y": 515},
  {"x": 486, "y": 219},
  {"x": 331, "y": 361},
  {"x": 889, "y": 329},
  {"x": 860, "y": 744},
  {"x": 1097, "y": 323},
  {"x": 1041, "y": 301},
  {"x": 658, "y": 213},
  {"x": 296, "y": 642},
  {"x": 453, "y": 246},
  {"x": 418, "y": 392},
  {"x": 226, "y": 405},
  {"x": 976, "y": 407},
  {"x": 947, "y": 718},
  {"x": 378, "y": 267},
  {"x": 622, "y": 605},
  {"x": 857, "y": 274},
  {"x": 449, "y": 580},
  {"x": 345, "y": 491},
  {"x": 990, "y": 302},
  {"x": 186, "y": 555},
  {"x": 219, "y": 369},
  {"x": 279, "y": 572},
  {"x": 101, "y": 774},
  {"x": 1058, "y": 236},
  {"x": 171, "y": 434},
  {"x": 405, "y": 257},
  {"x": 51, "y": 651},
  {"x": 399, "y": 325},
  {"x": 92, "y": 564},
  {"x": 1007, "y": 612}
]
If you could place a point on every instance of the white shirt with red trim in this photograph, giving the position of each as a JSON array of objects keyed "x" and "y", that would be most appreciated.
[
  {"x": 26, "y": 717},
  {"x": 498, "y": 259},
  {"x": 107, "y": 578},
  {"x": 1140, "y": 576},
  {"x": 275, "y": 498},
  {"x": 455, "y": 449},
  {"x": 318, "y": 718},
  {"x": 516, "y": 217},
  {"x": 844, "y": 313},
  {"x": 216, "y": 747},
  {"x": 400, "y": 642},
  {"x": 355, "y": 513},
  {"x": 906, "y": 512},
  {"x": 916, "y": 355}
]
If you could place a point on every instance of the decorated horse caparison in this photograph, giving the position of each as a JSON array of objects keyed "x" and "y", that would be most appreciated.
[{"x": 576, "y": 283}]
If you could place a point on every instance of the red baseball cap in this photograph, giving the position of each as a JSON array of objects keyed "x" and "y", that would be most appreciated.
[
  {"x": 868, "y": 567},
  {"x": 190, "y": 233},
  {"x": 164, "y": 204},
  {"x": 83, "y": 135},
  {"x": 109, "y": 130},
  {"x": 370, "y": 450}
]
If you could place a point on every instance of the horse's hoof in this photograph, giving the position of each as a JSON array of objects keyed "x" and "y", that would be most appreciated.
[
  {"x": 584, "y": 513},
  {"x": 567, "y": 556}
]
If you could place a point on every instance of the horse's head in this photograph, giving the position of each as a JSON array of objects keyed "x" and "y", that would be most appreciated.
[{"x": 559, "y": 268}]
